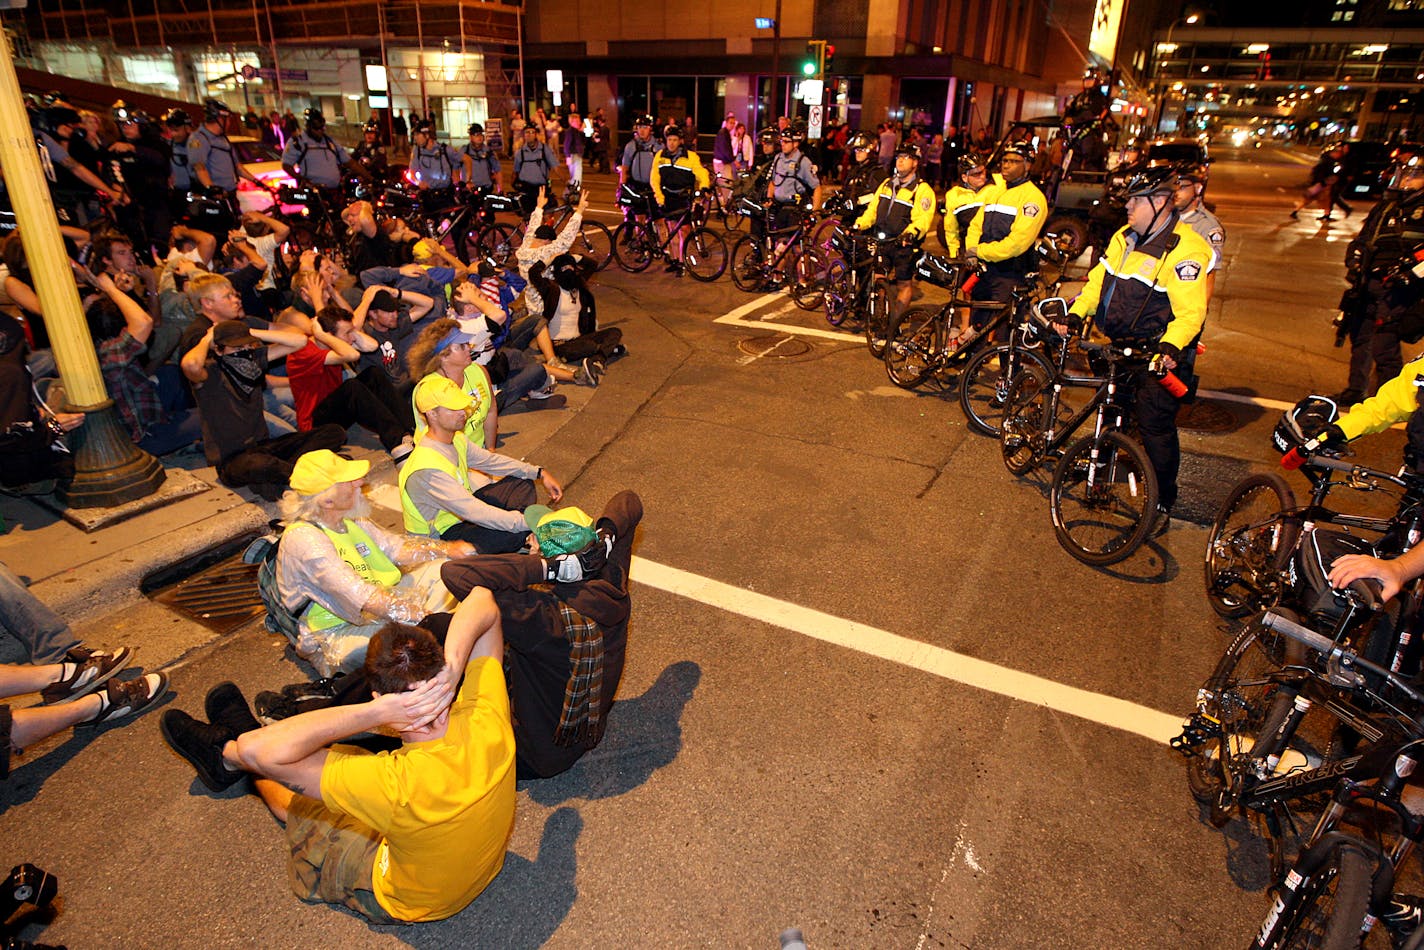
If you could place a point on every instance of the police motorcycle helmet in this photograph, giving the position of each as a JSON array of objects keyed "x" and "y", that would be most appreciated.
[
  {"x": 177, "y": 118},
  {"x": 215, "y": 110},
  {"x": 315, "y": 120},
  {"x": 1303, "y": 422}
]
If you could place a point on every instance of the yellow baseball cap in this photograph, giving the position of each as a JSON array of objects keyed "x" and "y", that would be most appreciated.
[
  {"x": 436, "y": 390},
  {"x": 423, "y": 250},
  {"x": 317, "y": 471}
]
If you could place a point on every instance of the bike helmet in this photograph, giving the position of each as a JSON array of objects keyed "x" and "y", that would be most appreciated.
[
  {"x": 371, "y": 126},
  {"x": 1024, "y": 150},
  {"x": 970, "y": 163},
  {"x": 315, "y": 120},
  {"x": 215, "y": 110},
  {"x": 122, "y": 114},
  {"x": 55, "y": 116},
  {"x": 791, "y": 134},
  {"x": 177, "y": 119},
  {"x": 767, "y": 136},
  {"x": 643, "y": 121},
  {"x": 1410, "y": 167},
  {"x": 1191, "y": 171},
  {"x": 862, "y": 141},
  {"x": 672, "y": 130},
  {"x": 426, "y": 127},
  {"x": 476, "y": 129},
  {"x": 1150, "y": 181},
  {"x": 1303, "y": 422},
  {"x": 913, "y": 151}
]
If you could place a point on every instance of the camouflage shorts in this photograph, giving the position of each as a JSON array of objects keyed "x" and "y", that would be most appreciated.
[{"x": 332, "y": 858}]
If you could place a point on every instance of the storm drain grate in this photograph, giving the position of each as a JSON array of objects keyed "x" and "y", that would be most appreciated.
[{"x": 217, "y": 589}]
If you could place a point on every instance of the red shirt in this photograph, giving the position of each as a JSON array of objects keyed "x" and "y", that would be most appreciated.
[{"x": 311, "y": 380}]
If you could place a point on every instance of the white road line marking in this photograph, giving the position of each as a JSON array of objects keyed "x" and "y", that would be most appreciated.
[
  {"x": 1014, "y": 684},
  {"x": 785, "y": 310}
]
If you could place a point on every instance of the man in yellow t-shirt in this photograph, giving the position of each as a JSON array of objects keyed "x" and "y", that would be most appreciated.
[{"x": 410, "y": 835}]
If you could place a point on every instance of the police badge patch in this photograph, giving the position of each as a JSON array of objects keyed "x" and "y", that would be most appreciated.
[
  {"x": 1216, "y": 237},
  {"x": 1188, "y": 270},
  {"x": 926, "y": 203},
  {"x": 1031, "y": 210}
]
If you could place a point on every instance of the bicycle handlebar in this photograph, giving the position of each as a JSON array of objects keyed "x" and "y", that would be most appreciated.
[{"x": 1331, "y": 650}]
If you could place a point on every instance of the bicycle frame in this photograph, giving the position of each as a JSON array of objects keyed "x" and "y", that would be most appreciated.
[
  {"x": 647, "y": 227},
  {"x": 1103, "y": 401}
]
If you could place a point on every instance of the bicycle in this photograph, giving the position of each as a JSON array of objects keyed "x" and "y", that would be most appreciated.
[
  {"x": 593, "y": 242},
  {"x": 1260, "y": 525},
  {"x": 766, "y": 263},
  {"x": 718, "y": 200},
  {"x": 985, "y": 380},
  {"x": 636, "y": 244},
  {"x": 919, "y": 344},
  {"x": 1103, "y": 494},
  {"x": 1246, "y": 754}
]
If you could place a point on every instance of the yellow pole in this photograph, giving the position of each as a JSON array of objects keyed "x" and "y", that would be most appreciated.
[{"x": 109, "y": 469}]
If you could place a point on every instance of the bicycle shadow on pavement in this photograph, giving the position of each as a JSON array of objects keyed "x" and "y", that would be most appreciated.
[
  {"x": 1248, "y": 854},
  {"x": 523, "y": 907},
  {"x": 643, "y": 735}
]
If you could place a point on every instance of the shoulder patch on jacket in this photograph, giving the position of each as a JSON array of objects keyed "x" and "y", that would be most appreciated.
[
  {"x": 1216, "y": 237},
  {"x": 1031, "y": 210},
  {"x": 1188, "y": 270}
]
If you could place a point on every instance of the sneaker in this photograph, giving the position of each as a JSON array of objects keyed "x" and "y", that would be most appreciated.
[
  {"x": 584, "y": 375},
  {"x": 83, "y": 672},
  {"x": 226, "y": 706},
  {"x": 597, "y": 370},
  {"x": 129, "y": 698},
  {"x": 1404, "y": 914},
  {"x": 676, "y": 269},
  {"x": 547, "y": 390},
  {"x": 293, "y": 699},
  {"x": 618, "y": 352},
  {"x": 401, "y": 452},
  {"x": 201, "y": 744},
  {"x": 1163, "y": 522},
  {"x": 1325, "y": 217}
]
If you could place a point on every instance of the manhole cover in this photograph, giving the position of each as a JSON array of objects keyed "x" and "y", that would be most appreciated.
[
  {"x": 221, "y": 595},
  {"x": 1202, "y": 416},
  {"x": 779, "y": 346}
]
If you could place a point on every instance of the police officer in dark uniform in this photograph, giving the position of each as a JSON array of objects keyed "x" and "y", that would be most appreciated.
[
  {"x": 180, "y": 173},
  {"x": 1384, "y": 287},
  {"x": 436, "y": 167},
  {"x": 139, "y": 163},
  {"x": 482, "y": 170},
  {"x": 371, "y": 154},
  {"x": 534, "y": 164},
  {"x": 865, "y": 175},
  {"x": 215, "y": 165},
  {"x": 635, "y": 168}
]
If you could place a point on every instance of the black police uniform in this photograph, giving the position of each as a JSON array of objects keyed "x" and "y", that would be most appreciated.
[{"x": 1380, "y": 298}]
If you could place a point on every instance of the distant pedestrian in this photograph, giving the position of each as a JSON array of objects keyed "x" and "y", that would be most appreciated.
[
  {"x": 575, "y": 144},
  {"x": 400, "y": 132}
]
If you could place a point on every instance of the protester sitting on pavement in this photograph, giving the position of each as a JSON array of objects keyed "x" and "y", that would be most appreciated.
[
  {"x": 513, "y": 337},
  {"x": 542, "y": 244},
  {"x": 410, "y": 835},
  {"x": 155, "y": 413},
  {"x": 572, "y": 317},
  {"x": 43, "y": 633},
  {"x": 71, "y": 696},
  {"x": 227, "y": 368},
  {"x": 388, "y": 317},
  {"x": 375, "y": 243},
  {"x": 443, "y": 348},
  {"x": 322, "y": 397},
  {"x": 448, "y": 487},
  {"x": 341, "y": 575},
  {"x": 565, "y": 644},
  {"x": 31, "y": 434},
  {"x": 113, "y": 254}
]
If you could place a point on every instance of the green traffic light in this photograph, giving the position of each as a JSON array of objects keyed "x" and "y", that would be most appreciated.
[{"x": 808, "y": 69}]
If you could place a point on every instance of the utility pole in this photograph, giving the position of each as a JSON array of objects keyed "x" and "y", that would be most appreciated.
[{"x": 775, "y": 103}]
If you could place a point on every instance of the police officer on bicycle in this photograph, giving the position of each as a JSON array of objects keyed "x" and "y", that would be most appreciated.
[
  {"x": 317, "y": 159},
  {"x": 902, "y": 209},
  {"x": 213, "y": 162},
  {"x": 865, "y": 175},
  {"x": 792, "y": 181},
  {"x": 1149, "y": 291},
  {"x": 371, "y": 154},
  {"x": 676, "y": 174},
  {"x": 1005, "y": 230},
  {"x": 635, "y": 169},
  {"x": 436, "y": 167},
  {"x": 482, "y": 170},
  {"x": 962, "y": 202},
  {"x": 534, "y": 163}
]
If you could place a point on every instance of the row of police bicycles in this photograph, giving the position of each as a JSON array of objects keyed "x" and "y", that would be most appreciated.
[{"x": 1309, "y": 730}]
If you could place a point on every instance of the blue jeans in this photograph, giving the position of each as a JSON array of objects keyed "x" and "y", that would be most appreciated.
[
  {"x": 525, "y": 376},
  {"x": 41, "y": 631},
  {"x": 523, "y": 331}
]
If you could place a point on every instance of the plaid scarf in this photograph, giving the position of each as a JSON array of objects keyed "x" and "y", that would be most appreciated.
[{"x": 581, "y": 720}]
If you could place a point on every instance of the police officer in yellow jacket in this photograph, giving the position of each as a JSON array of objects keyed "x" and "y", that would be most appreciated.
[
  {"x": 1149, "y": 290},
  {"x": 962, "y": 203},
  {"x": 903, "y": 207},
  {"x": 677, "y": 173},
  {"x": 1004, "y": 231},
  {"x": 1397, "y": 400}
]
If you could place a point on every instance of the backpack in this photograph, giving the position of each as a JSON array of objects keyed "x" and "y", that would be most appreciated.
[{"x": 263, "y": 553}]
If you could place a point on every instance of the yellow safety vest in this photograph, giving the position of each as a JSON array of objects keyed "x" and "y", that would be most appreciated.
[
  {"x": 425, "y": 457},
  {"x": 355, "y": 547},
  {"x": 477, "y": 385}
]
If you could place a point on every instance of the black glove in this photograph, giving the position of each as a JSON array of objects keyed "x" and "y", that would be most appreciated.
[
  {"x": 1165, "y": 351},
  {"x": 1170, "y": 351},
  {"x": 1332, "y": 436}
]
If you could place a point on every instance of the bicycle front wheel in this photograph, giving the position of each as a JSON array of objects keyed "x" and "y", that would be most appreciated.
[
  {"x": 877, "y": 319},
  {"x": 809, "y": 268},
  {"x": 595, "y": 243},
  {"x": 911, "y": 347},
  {"x": 1249, "y": 546},
  {"x": 985, "y": 380},
  {"x": 748, "y": 272},
  {"x": 1331, "y": 910},
  {"x": 1103, "y": 498},
  {"x": 732, "y": 216},
  {"x": 630, "y": 248},
  {"x": 1021, "y": 432},
  {"x": 705, "y": 255},
  {"x": 492, "y": 240}
]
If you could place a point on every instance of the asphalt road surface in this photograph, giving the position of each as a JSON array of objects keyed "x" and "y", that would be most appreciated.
[{"x": 867, "y": 693}]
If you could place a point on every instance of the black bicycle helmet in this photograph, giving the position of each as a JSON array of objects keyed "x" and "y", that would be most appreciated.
[
  {"x": 673, "y": 129},
  {"x": 423, "y": 126},
  {"x": 1303, "y": 422},
  {"x": 1191, "y": 171},
  {"x": 1149, "y": 181},
  {"x": 791, "y": 134},
  {"x": 912, "y": 151},
  {"x": 767, "y": 136},
  {"x": 177, "y": 118},
  {"x": 476, "y": 129},
  {"x": 1024, "y": 150},
  {"x": 215, "y": 110},
  {"x": 643, "y": 121},
  {"x": 861, "y": 141},
  {"x": 969, "y": 163},
  {"x": 55, "y": 116},
  {"x": 315, "y": 120}
]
